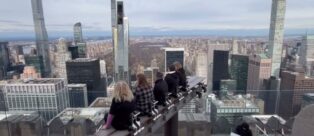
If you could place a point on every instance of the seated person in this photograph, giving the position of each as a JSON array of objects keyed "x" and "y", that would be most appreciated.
[
  {"x": 181, "y": 74},
  {"x": 172, "y": 80},
  {"x": 160, "y": 89},
  {"x": 143, "y": 95},
  {"x": 122, "y": 106}
]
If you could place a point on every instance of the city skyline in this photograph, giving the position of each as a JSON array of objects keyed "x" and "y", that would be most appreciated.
[{"x": 210, "y": 16}]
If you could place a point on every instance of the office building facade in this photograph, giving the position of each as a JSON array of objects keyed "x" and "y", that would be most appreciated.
[
  {"x": 239, "y": 71},
  {"x": 78, "y": 35},
  {"x": 29, "y": 72},
  {"x": 202, "y": 66},
  {"x": 87, "y": 71},
  {"x": 259, "y": 69},
  {"x": 4, "y": 59},
  {"x": 48, "y": 96},
  {"x": 41, "y": 35},
  {"x": 294, "y": 85},
  {"x": 220, "y": 68},
  {"x": 37, "y": 62},
  {"x": 172, "y": 55},
  {"x": 78, "y": 95}
]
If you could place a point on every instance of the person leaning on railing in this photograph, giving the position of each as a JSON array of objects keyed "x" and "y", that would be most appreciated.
[
  {"x": 160, "y": 89},
  {"x": 172, "y": 80},
  {"x": 181, "y": 74},
  {"x": 122, "y": 106},
  {"x": 143, "y": 95}
]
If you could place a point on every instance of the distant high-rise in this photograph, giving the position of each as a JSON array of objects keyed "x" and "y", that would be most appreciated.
[
  {"x": 78, "y": 35},
  {"x": 78, "y": 95},
  {"x": 41, "y": 35},
  {"x": 259, "y": 69},
  {"x": 307, "y": 54},
  {"x": 4, "y": 59},
  {"x": 276, "y": 34},
  {"x": 220, "y": 68},
  {"x": 202, "y": 66},
  {"x": 120, "y": 39},
  {"x": 172, "y": 55},
  {"x": 239, "y": 71},
  {"x": 61, "y": 56}
]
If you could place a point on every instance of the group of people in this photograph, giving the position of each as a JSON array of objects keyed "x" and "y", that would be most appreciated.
[{"x": 125, "y": 102}]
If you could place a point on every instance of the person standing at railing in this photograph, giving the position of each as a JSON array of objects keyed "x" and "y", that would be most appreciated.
[
  {"x": 143, "y": 95},
  {"x": 181, "y": 74},
  {"x": 122, "y": 106},
  {"x": 172, "y": 80},
  {"x": 160, "y": 89}
]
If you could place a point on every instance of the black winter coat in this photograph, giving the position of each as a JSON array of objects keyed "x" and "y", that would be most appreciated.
[
  {"x": 160, "y": 91},
  {"x": 172, "y": 80}
]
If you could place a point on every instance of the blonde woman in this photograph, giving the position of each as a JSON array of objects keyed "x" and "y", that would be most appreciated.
[{"x": 122, "y": 106}]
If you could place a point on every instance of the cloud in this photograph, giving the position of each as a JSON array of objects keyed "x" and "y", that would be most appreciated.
[{"x": 61, "y": 15}]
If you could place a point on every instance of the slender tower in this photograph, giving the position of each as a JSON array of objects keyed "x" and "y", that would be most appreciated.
[
  {"x": 78, "y": 35},
  {"x": 276, "y": 34},
  {"x": 120, "y": 40},
  {"x": 41, "y": 35}
]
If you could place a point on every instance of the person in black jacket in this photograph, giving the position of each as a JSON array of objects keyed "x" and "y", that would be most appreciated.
[
  {"x": 172, "y": 80},
  {"x": 181, "y": 74},
  {"x": 243, "y": 130},
  {"x": 122, "y": 106},
  {"x": 160, "y": 89}
]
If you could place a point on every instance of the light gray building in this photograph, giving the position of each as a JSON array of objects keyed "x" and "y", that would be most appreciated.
[
  {"x": 61, "y": 56},
  {"x": 42, "y": 44},
  {"x": 120, "y": 35},
  {"x": 276, "y": 35},
  {"x": 202, "y": 66},
  {"x": 307, "y": 54},
  {"x": 48, "y": 96},
  {"x": 78, "y": 35}
]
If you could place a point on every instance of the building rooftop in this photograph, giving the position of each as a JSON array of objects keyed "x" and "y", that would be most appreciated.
[
  {"x": 237, "y": 101},
  {"x": 6, "y": 114},
  {"x": 263, "y": 56},
  {"x": 173, "y": 49},
  {"x": 82, "y": 60},
  {"x": 35, "y": 81},
  {"x": 191, "y": 117},
  {"x": 102, "y": 102},
  {"x": 76, "y": 85},
  {"x": 94, "y": 114}
]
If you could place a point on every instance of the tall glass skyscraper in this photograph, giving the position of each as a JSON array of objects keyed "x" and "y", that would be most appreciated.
[
  {"x": 120, "y": 38},
  {"x": 41, "y": 35},
  {"x": 78, "y": 36},
  {"x": 276, "y": 34}
]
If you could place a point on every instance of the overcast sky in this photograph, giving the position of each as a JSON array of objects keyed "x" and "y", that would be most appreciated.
[{"x": 60, "y": 15}]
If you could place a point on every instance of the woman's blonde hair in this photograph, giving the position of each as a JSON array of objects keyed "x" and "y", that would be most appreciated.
[
  {"x": 178, "y": 65},
  {"x": 122, "y": 92}
]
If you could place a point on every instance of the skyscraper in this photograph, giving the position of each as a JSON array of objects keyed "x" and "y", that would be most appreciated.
[
  {"x": 78, "y": 35},
  {"x": 239, "y": 71},
  {"x": 172, "y": 55},
  {"x": 307, "y": 54},
  {"x": 202, "y": 66},
  {"x": 61, "y": 56},
  {"x": 4, "y": 59},
  {"x": 276, "y": 34},
  {"x": 120, "y": 35},
  {"x": 41, "y": 35},
  {"x": 259, "y": 69},
  {"x": 220, "y": 68}
]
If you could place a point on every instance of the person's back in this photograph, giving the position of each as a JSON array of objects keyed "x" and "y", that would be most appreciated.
[
  {"x": 122, "y": 114},
  {"x": 143, "y": 95},
  {"x": 181, "y": 74},
  {"x": 160, "y": 89},
  {"x": 122, "y": 106},
  {"x": 172, "y": 80}
]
